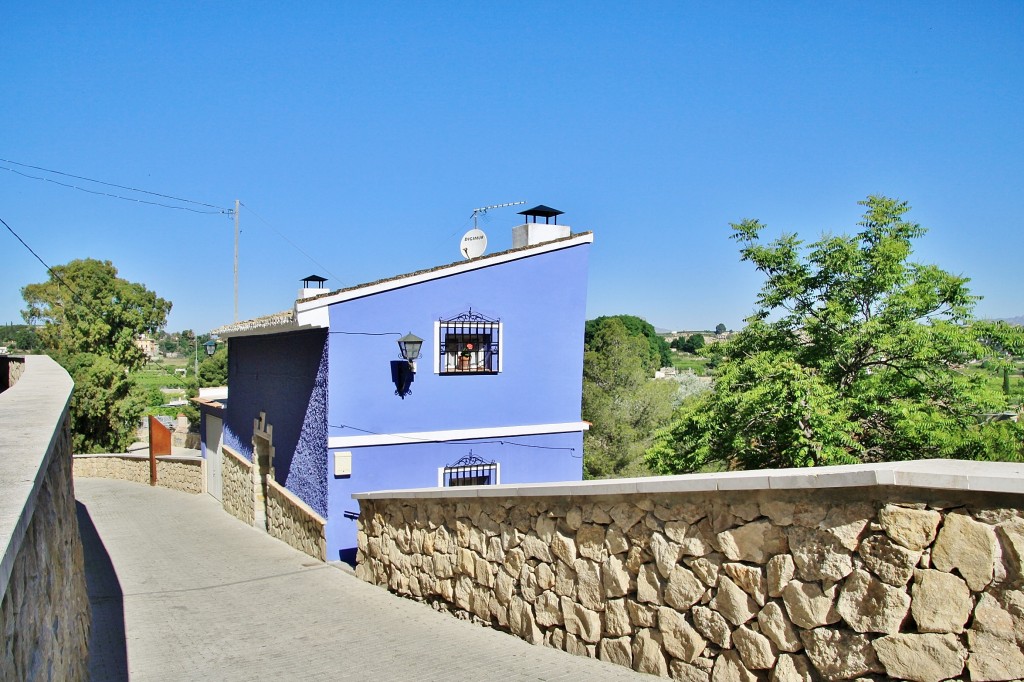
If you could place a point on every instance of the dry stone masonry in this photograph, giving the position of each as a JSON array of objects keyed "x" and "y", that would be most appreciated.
[
  {"x": 920, "y": 580},
  {"x": 177, "y": 473},
  {"x": 291, "y": 520},
  {"x": 237, "y": 490}
]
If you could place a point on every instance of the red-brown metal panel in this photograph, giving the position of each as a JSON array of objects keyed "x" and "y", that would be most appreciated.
[{"x": 159, "y": 444}]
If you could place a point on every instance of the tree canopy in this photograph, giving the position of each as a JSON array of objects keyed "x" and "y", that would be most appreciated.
[
  {"x": 213, "y": 370},
  {"x": 658, "y": 355},
  {"x": 86, "y": 308},
  {"x": 854, "y": 354},
  {"x": 91, "y": 318},
  {"x": 623, "y": 403}
]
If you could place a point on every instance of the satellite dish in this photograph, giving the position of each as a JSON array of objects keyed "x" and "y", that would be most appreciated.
[{"x": 473, "y": 244}]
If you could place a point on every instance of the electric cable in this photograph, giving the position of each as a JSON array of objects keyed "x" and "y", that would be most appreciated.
[
  {"x": 118, "y": 196},
  {"x": 111, "y": 184},
  {"x": 293, "y": 244}
]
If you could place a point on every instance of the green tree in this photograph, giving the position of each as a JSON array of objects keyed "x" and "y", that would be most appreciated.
[
  {"x": 719, "y": 328},
  {"x": 695, "y": 343},
  {"x": 86, "y": 308},
  {"x": 90, "y": 320},
  {"x": 620, "y": 400},
  {"x": 855, "y": 354},
  {"x": 213, "y": 370},
  {"x": 658, "y": 355},
  {"x": 105, "y": 406}
]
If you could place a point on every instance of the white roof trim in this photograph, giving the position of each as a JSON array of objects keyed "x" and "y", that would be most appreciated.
[
  {"x": 411, "y": 438},
  {"x": 306, "y": 307}
]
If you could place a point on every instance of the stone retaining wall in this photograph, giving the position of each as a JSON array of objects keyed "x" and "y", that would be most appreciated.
[
  {"x": 178, "y": 473},
  {"x": 11, "y": 369},
  {"x": 44, "y": 613},
  {"x": 844, "y": 573},
  {"x": 293, "y": 521},
  {"x": 237, "y": 488}
]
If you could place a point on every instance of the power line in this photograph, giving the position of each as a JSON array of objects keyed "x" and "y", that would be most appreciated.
[
  {"x": 52, "y": 272},
  {"x": 111, "y": 184},
  {"x": 293, "y": 244},
  {"x": 116, "y": 196}
]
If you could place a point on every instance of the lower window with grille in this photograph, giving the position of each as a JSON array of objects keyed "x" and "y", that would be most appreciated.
[{"x": 470, "y": 470}]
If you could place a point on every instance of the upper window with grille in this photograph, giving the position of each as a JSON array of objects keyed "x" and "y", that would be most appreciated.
[{"x": 469, "y": 343}]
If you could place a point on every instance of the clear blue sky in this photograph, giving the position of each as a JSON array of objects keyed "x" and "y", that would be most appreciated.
[{"x": 367, "y": 132}]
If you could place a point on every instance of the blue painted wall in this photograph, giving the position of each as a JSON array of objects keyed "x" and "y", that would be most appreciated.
[
  {"x": 553, "y": 457},
  {"x": 285, "y": 376},
  {"x": 541, "y": 302}
]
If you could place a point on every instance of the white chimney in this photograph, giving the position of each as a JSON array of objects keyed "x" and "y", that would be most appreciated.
[
  {"x": 531, "y": 233},
  {"x": 308, "y": 289}
]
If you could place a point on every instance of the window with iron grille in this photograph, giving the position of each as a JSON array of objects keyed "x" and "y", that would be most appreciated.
[
  {"x": 470, "y": 470},
  {"x": 469, "y": 343}
]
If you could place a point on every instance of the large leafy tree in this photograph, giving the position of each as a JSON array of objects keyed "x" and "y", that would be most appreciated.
[
  {"x": 658, "y": 352},
  {"x": 854, "y": 354},
  {"x": 90, "y": 318},
  {"x": 623, "y": 403},
  {"x": 85, "y": 307}
]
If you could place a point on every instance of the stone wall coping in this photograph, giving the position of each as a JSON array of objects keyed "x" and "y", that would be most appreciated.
[
  {"x": 294, "y": 499},
  {"x": 32, "y": 413},
  {"x": 938, "y": 474},
  {"x": 188, "y": 459},
  {"x": 231, "y": 453}
]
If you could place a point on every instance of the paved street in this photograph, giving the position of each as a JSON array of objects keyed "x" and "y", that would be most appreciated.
[{"x": 182, "y": 591}]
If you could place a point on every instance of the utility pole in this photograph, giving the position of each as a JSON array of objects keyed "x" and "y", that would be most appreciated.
[{"x": 236, "y": 259}]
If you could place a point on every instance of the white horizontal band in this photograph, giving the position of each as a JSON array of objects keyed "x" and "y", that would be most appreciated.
[{"x": 334, "y": 442}]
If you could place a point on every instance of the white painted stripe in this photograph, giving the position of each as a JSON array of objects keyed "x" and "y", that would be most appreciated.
[
  {"x": 303, "y": 307},
  {"x": 455, "y": 434}
]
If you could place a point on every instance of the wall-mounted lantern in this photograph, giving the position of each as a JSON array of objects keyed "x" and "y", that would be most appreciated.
[
  {"x": 211, "y": 347},
  {"x": 402, "y": 373},
  {"x": 409, "y": 346}
]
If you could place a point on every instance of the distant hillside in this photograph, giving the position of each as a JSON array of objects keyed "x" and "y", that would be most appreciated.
[{"x": 1019, "y": 320}]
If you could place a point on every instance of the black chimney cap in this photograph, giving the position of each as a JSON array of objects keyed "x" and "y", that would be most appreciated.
[
  {"x": 542, "y": 211},
  {"x": 313, "y": 278}
]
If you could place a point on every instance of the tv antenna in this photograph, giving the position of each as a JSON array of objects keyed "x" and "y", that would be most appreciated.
[
  {"x": 474, "y": 242},
  {"x": 483, "y": 210}
]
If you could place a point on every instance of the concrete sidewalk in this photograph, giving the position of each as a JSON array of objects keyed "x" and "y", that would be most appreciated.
[{"x": 182, "y": 591}]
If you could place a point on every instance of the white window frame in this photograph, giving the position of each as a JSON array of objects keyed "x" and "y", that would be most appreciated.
[{"x": 499, "y": 326}]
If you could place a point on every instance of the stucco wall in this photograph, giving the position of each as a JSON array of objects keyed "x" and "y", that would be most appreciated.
[
  {"x": 283, "y": 376},
  {"x": 541, "y": 302},
  {"x": 177, "y": 473},
  {"x": 531, "y": 459},
  {"x": 291, "y": 520},
  {"x": 238, "y": 499},
  {"x": 910, "y": 573},
  {"x": 44, "y": 613}
]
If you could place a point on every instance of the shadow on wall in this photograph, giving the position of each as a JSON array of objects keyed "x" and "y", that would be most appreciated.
[{"x": 108, "y": 650}]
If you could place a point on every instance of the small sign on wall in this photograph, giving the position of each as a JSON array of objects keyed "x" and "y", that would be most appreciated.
[{"x": 342, "y": 463}]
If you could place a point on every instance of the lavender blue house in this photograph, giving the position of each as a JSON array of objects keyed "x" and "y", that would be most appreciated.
[{"x": 494, "y": 398}]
